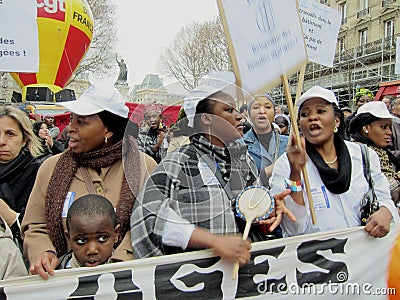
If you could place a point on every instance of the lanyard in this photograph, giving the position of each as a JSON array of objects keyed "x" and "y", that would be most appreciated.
[{"x": 213, "y": 165}]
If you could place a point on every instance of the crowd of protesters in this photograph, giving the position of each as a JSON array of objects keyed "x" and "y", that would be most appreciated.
[{"x": 156, "y": 190}]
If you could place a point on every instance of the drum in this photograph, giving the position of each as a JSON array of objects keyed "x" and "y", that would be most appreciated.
[{"x": 254, "y": 204}]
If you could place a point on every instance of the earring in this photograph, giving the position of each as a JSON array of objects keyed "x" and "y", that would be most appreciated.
[
  {"x": 366, "y": 131},
  {"x": 105, "y": 139},
  {"x": 335, "y": 129}
]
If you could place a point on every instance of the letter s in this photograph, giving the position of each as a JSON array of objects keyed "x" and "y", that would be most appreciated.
[{"x": 307, "y": 253}]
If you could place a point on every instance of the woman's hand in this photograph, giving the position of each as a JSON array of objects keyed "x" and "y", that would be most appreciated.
[
  {"x": 49, "y": 141},
  {"x": 44, "y": 264},
  {"x": 229, "y": 247},
  {"x": 232, "y": 248},
  {"x": 297, "y": 156},
  {"x": 280, "y": 210},
  {"x": 378, "y": 224}
]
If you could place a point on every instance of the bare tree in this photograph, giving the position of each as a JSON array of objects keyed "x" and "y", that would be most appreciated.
[
  {"x": 197, "y": 49},
  {"x": 99, "y": 60}
]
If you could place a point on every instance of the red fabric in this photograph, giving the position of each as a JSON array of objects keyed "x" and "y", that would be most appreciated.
[
  {"x": 72, "y": 55},
  {"x": 170, "y": 113}
]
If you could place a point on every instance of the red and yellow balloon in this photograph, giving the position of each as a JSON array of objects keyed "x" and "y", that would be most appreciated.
[{"x": 65, "y": 29}]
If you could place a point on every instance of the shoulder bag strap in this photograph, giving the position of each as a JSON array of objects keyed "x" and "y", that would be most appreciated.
[
  {"x": 366, "y": 165},
  {"x": 374, "y": 205},
  {"x": 277, "y": 144},
  {"x": 88, "y": 180},
  {"x": 212, "y": 165}
]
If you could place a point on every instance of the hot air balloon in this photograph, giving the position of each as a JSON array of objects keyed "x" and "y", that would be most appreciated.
[{"x": 65, "y": 29}]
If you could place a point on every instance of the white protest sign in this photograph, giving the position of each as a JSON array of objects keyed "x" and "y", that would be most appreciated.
[
  {"x": 19, "y": 42},
  {"x": 265, "y": 40},
  {"x": 321, "y": 26},
  {"x": 397, "y": 65}
]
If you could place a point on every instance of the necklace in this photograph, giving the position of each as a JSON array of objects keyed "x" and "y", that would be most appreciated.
[{"x": 331, "y": 162}]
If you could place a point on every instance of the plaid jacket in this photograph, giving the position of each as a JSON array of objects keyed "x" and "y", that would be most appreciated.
[
  {"x": 177, "y": 182},
  {"x": 146, "y": 141}
]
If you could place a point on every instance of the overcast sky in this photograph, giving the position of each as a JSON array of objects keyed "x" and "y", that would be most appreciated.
[{"x": 146, "y": 28}]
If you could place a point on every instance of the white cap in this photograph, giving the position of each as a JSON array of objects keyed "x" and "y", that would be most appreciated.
[
  {"x": 317, "y": 92},
  {"x": 214, "y": 82},
  {"x": 96, "y": 99},
  {"x": 377, "y": 109}
]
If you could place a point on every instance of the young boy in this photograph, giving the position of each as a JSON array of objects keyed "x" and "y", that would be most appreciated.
[{"x": 92, "y": 231}]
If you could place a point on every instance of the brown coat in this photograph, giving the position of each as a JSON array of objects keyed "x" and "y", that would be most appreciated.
[{"x": 108, "y": 184}]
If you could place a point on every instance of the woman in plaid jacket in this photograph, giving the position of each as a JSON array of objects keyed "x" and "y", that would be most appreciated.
[{"x": 185, "y": 204}]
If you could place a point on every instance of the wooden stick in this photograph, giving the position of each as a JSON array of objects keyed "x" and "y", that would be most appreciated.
[
  {"x": 295, "y": 131},
  {"x": 245, "y": 235}
]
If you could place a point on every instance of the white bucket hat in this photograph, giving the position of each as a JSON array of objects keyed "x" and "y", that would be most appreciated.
[
  {"x": 317, "y": 92},
  {"x": 96, "y": 99},
  {"x": 377, "y": 109},
  {"x": 214, "y": 82}
]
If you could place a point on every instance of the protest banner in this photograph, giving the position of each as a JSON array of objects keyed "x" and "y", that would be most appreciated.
[
  {"x": 321, "y": 26},
  {"x": 347, "y": 264},
  {"x": 19, "y": 42}
]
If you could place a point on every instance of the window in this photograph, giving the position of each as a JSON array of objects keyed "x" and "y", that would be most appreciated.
[
  {"x": 387, "y": 2},
  {"x": 363, "y": 4},
  {"x": 364, "y": 9},
  {"x": 343, "y": 12},
  {"x": 389, "y": 28},
  {"x": 363, "y": 37},
  {"x": 341, "y": 45},
  {"x": 357, "y": 75}
]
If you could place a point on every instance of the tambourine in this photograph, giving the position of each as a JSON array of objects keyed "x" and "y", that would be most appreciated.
[{"x": 254, "y": 204}]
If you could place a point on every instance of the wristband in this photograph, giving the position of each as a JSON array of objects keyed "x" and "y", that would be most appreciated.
[{"x": 294, "y": 186}]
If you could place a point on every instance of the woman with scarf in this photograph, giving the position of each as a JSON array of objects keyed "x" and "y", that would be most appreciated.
[
  {"x": 335, "y": 173},
  {"x": 264, "y": 141},
  {"x": 372, "y": 126},
  {"x": 49, "y": 145},
  {"x": 96, "y": 162},
  {"x": 19, "y": 163},
  {"x": 187, "y": 201}
]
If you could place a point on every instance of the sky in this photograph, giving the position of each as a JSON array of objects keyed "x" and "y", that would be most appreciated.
[{"x": 147, "y": 27}]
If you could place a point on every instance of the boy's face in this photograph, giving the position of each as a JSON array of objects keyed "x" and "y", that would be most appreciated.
[
  {"x": 49, "y": 120},
  {"x": 92, "y": 239}
]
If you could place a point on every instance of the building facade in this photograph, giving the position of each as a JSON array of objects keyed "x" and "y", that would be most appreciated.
[
  {"x": 150, "y": 90},
  {"x": 365, "y": 51}
]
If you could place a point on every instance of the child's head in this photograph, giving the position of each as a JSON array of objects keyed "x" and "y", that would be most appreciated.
[{"x": 92, "y": 229}]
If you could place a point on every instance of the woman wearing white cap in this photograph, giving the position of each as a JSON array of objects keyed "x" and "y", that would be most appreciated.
[
  {"x": 94, "y": 163},
  {"x": 372, "y": 126},
  {"x": 335, "y": 172},
  {"x": 184, "y": 205}
]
